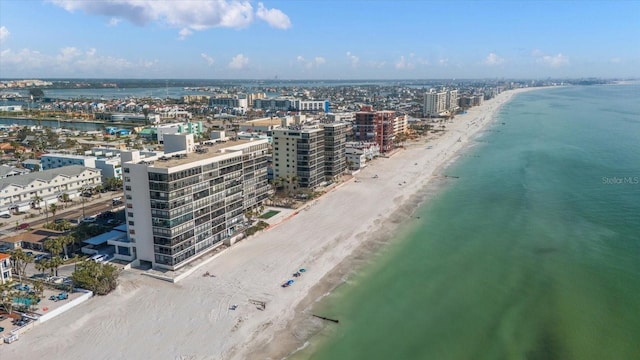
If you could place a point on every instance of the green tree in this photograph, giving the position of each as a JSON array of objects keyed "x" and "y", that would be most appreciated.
[
  {"x": 53, "y": 208},
  {"x": 20, "y": 260},
  {"x": 7, "y": 294},
  {"x": 36, "y": 201},
  {"x": 41, "y": 266},
  {"x": 99, "y": 278},
  {"x": 65, "y": 240}
]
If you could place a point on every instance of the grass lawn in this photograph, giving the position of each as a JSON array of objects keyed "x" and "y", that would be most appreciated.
[{"x": 269, "y": 214}]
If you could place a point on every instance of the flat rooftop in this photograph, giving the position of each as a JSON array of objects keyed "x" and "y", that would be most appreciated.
[
  {"x": 212, "y": 151},
  {"x": 263, "y": 122}
]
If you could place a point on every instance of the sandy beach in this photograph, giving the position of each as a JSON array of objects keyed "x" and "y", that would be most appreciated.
[{"x": 147, "y": 318}]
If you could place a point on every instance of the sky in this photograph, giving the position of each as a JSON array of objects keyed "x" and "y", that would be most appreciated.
[{"x": 319, "y": 39}]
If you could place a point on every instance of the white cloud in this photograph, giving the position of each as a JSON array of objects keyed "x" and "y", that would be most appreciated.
[
  {"x": 309, "y": 64},
  {"x": 208, "y": 59},
  {"x": 4, "y": 34},
  {"x": 443, "y": 62},
  {"x": 184, "y": 33},
  {"x": 554, "y": 61},
  {"x": 183, "y": 14},
  {"x": 114, "y": 21},
  {"x": 69, "y": 61},
  {"x": 615, "y": 60},
  {"x": 550, "y": 60},
  {"x": 68, "y": 54},
  {"x": 239, "y": 62},
  {"x": 273, "y": 17},
  {"x": 410, "y": 62},
  {"x": 493, "y": 59},
  {"x": 355, "y": 61}
]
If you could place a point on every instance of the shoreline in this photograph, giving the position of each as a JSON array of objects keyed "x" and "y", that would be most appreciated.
[
  {"x": 296, "y": 336},
  {"x": 147, "y": 318}
]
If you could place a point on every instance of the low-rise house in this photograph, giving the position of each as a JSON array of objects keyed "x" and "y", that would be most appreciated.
[{"x": 33, "y": 240}]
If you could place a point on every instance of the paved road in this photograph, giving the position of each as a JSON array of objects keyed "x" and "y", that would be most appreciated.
[{"x": 92, "y": 206}]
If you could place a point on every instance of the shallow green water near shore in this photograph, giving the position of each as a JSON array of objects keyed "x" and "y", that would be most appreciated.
[{"x": 533, "y": 253}]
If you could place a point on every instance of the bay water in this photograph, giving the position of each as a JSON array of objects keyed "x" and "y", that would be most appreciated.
[{"x": 532, "y": 253}]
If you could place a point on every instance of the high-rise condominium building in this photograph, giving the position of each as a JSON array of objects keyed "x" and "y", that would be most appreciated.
[
  {"x": 185, "y": 203},
  {"x": 298, "y": 157},
  {"x": 435, "y": 103},
  {"x": 335, "y": 138}
]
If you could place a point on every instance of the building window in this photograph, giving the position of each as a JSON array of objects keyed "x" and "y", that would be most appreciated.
[
  {"x": 129, "y": 214},
  {"x": 131, "y": 223}
]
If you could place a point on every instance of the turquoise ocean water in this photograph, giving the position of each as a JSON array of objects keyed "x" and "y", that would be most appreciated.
[{"x": 533, "y": 253}]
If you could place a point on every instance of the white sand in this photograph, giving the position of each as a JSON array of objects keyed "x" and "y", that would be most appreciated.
[{"x": 151, "y": 319}]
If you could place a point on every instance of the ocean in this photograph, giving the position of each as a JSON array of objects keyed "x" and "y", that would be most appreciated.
[{"x": 533, "y": 253}]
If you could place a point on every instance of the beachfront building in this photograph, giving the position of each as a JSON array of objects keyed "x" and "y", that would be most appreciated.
[
  {"x": 55, "y": 160},
  {"x": 400, "y": 125},
  {"x": 18, "y": 193},
  {"x": 378, "y": 126},
  {"x": 335, "y": 136},
  {"x": 190, "y": 200},
  {"x": 298, "y": 157},
  {"x": 384, "y": 123},
  {"x": 363, "y": 127},
  {"x": 435, "y": 103},
  {"x": 5, "y": 268},
  {"x": 452, "y": 101},
  {"x": 359, "y": 153}
]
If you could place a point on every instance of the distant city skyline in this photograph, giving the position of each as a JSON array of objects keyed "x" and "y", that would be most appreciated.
[{"x": 318, "y": 40}]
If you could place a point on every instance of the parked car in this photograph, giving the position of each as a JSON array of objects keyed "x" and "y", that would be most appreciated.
[
  {"x": 5, "y": 216},
  {"x": 89, "y": 219},
  {"x": 106, "y": 215},
  {"x": 22, "y": 226},
  {"x": 99, "y": 258},
  {"x": 4, "y": 249},
  {"x": 41, "y": 257}
]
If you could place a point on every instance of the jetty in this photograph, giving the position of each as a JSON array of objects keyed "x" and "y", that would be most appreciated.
[{"x": 326, "y": 318}]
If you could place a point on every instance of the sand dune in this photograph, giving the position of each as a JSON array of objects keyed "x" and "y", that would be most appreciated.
[{"x": 151, "y": 319}]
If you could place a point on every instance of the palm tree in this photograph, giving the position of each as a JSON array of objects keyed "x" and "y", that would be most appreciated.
[
  {"x": 53, "y": 208},
  {"x": 20, "y": 261},
  {"x": 41, "y": 266},
  {"x": 66, "y": 240},
  {"x": 36, "y": 201}
]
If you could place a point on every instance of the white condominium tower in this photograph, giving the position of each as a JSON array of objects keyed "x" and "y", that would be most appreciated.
[{"x": 186, "y": 202}]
